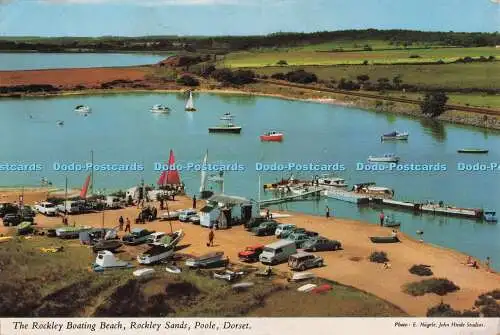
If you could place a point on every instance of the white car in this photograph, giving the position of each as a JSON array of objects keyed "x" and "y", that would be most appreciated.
[
  {"x": 70, "y": 207},
  {"x": 155, "y": 238},
  {"x": 46, "y": 208},
  {"x": 187, "y": 214},
  {"x": 170, "y": 215},
  {"x": 283, "y": 227}
]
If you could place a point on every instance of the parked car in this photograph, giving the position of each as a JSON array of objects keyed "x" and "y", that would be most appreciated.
[
  {"x": 170, "y": 215},
  {"x": 298, "y": 238},
  {"x": 286, "y": 233},
  {"x": 277, "y": 252},
  {"x": 46, "y": 208},
  {"x": 70, "y": 207},
  {"x": 265, "y": 228},
  {"x": 210, "y": 260},
  {"x": 12, "y": 219},
  {"x": 251, "y": 253},
  {"x": 8, "y": 208},
  {"x": 156, "y": 237},
  {"x": 137, "y": 236},
  {"x": 304, "y": 260},
  {"x": 321, "y": 244},
  {"x": 186, "y": 214},
  {"x": 255, "y": 222},
  {"x": 113, "y": 202},
  {"x": 27, "y": 211},
  {"x": 195, "y": 219},
  {"x": 283, "y": 227}
]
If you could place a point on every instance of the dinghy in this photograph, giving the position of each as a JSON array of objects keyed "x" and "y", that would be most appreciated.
[
  {"x": 171, "y": 240},
  {"x": 228, "y": 275},
  {"x": 25, "y": 227},
  {"x": 110, "y": 245},
  {"x": 144, "y": 273},
  {"x": 71, "y": 232},
  {"x": 472, "y": 151},
  {"x": 172, "y": 269},
  {"x": 299, "y": 276},
  {"x": 155, "y": 254},
  {"x": 242, "y": 286},
  {"x": 384, "y": 239}
]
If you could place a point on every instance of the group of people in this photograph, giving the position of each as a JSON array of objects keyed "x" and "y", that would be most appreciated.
[
  {"x": 473, "y": 263},
  {"x": 127, "y": 225}
]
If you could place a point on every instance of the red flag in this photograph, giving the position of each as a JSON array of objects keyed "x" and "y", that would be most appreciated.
[{"x": 83, "y": 193}]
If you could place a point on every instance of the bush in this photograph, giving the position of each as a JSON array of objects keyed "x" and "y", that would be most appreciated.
[
  {"x": 379, "y": 257},
  {"x": 439, "y": 286},
  {"x": 348, "y": 85},
  {"x": 365, "y": 62},
  {"x": 188, "y": 80},
  {"x": 278, "y": 76},
  {"x": 242, "y": 77},
  {"x": 421, "y": 270},
  {"x": 282, "y": 62},
  {"x": 442, "y": 310},
  {"x": 491, "y": 310},
  {"x": 301, "y": 77},
  {"x": 414, "y": 56},
  {"x": 206, "y": 72},
  {"x": 434, "y": 104}
]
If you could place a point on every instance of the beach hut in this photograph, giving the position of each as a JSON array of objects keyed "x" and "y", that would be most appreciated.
[
  {"x": 231, "y": 209},
  {"x": 209, "y": 215}
]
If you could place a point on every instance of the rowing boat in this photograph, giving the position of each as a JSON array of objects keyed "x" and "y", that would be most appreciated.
[{"x": 472, "y": 151}]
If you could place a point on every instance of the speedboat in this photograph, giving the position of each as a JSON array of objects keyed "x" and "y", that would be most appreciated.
[
  {"x": 490, "y": 216},
  {"x": 328, "y": 182},
  {"x": 227, "y": 128},
  {"x": 395, "y": 135},
  {"x": 159, "y": 109},
  {"x": 387, "y": 158},
  {"x": 83, "y": 109},
  {"x": 227, "y": 116},
  {"x": 272, "y": 136},
  {"x": 60, "y": 123},
  {"x": 472, "y": 151}
]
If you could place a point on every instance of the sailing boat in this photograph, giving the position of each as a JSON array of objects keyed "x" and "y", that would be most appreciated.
[
  {"x": 170, "y": 177},
  {"x": 190, "y": 103},
  {"x": 204, "y": 193}
]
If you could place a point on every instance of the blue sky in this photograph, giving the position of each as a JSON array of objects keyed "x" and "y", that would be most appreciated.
[{"x": 239, "y": 17}]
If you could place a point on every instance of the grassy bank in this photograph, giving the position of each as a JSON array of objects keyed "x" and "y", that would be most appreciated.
[{"x": 60, "y": 285}]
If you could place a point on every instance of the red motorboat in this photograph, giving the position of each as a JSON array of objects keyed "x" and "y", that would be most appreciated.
[{"x": 272, "y": 136}]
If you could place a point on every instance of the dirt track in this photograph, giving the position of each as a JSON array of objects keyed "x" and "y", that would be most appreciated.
[{"x": 349, "y": 266}]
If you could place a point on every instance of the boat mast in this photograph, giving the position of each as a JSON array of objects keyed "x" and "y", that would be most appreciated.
[
  {"x": 259, "y": 191},
  {"x": 92, "y": 172}
]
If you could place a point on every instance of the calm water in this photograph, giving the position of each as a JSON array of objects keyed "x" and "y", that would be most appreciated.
[
  {"x": 30, "y": 61},
  {"x": 122, "y": 130}
]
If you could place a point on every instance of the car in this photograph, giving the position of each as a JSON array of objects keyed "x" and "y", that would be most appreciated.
[
  {"x": 70, "y": 207},
  {"x": 8, "y": 208},
  {"x": 195, "y": 219},
  {"x": 137, "y": 236},
  {"x": 251, "y": 253},
  {"x": 298, "y": 238},
  {"x": 186, "y": 214},
  {"x": 255, "y": 222},
  {"x": 155, "y": 238},
  {"x": 27, "y": 211},
  {"x": 283, "y": 227},
  {"x": 304, "y": 260},
  {"x": 46, "y": 208},
  {"x": 277, "y": 252},
  {"x": 210, "y": 260},
  {"x": 15, "y": 219},
  {"x": 170, "y": 215},
  {"x": 286, "y": 233},
  {"x": 321, "y": 244},
  {"x": 265, "y": 228}
]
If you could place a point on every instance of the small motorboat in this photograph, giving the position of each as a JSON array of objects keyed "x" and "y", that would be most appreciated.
[
  {"x": 155, "y": 254},
  {"x": 472, "y": 151},
  {"x": 228, "y": 275},
  {"x": 226, "y": 116},
  {"x": 60, "y": 123},
  {"x": 110, "y": 245},
  {"x": 490, "y": 216},
  {"x": 395, "y": 135},
  {"x": 105, "y": 260},
  {"x": 387, "y": 158},
  {"x": 272, "y": 136},
  {"x": 144, "y": 273},
  {"x": 322, "y": 289},
  {"x": 307, "y": 288},
  {"x": 242, "y": 286},
  {"x": 172, "y": 269},
  {"x": 83, "y": 109},
  {"x": 159, "y": 109},
  {"x": 299, "y": 276},
  {"x": 229, "y": 127}
]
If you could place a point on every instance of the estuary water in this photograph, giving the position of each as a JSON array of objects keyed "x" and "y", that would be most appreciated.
[
  {"x": 121, "y": 130},
  {"x": 32, "y": 61}
]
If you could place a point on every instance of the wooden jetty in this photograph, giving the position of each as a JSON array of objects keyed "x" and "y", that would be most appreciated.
[
  {"x": 348, "y": 196},
  {"x": 312, "y": 191},
  {"x": 437, "y": 209}
]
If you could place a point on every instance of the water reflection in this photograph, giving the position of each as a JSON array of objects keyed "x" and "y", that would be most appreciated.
[
  {"x": 435, "y": 128},
  {"x": 240, "y": 99}
]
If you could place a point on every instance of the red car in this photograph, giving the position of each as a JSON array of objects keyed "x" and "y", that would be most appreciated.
[{"x": 251, "y": 254}]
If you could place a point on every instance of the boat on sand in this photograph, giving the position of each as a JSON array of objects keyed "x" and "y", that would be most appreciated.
[
  {"x": 105, "y": 260},
  {"x": 384, "y": 239},
  {"x": 299, "y": 276}
]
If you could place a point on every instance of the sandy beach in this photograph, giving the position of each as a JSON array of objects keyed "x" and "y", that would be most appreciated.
[{"x": 349, "y": 266}]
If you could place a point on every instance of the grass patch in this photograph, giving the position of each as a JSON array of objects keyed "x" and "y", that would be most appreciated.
[
  {"x": 439, "y": 286},
  {"x": 421, "y": 270},
  {"x": 378, "y": 257}
]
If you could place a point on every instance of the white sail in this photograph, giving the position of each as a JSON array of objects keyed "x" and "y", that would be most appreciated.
[
  {"x": 190, "y": 103},
  {"x": 204, "y": 174}
]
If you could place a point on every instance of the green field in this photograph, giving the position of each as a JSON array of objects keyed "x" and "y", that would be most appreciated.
[
  {"x": 447, "y": 76},
  {"x": 350, "y": 45},
  {"x": 308, "y": 56}
]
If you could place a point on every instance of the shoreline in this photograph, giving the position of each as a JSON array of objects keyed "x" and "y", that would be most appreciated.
[{"x": 348, "y": 266}]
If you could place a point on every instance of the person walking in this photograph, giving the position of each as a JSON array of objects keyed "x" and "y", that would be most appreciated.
[
  {"x": 211, "y": 236},
  {"x": 127, "y": 226},
  {"x": 194, "y": 201},
  {"x": 327, "y": 212},
  {"x": 120, "y": 222},
  {"x": 268, "y": 214},
  {"x": 488, "y": 262},
  {"x": 381, "y": 217}
]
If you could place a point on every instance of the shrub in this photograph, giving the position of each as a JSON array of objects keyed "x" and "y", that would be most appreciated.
[
  {"x": 442, "y": 310},
  {"x": 414, "y": 56},
  {"x": 348, "y": 85},
  {"x": 282, "y": 62},
  {"x": 434, "y": 104},
  {"x": 278, "y": 76},
  {"x": 470, "y": 313},
  {"x": 206, "y": 72},
  {"x": 439, "y": 286},
  {"x": 188, "y": 80},
  {"x": 379, "y": 257},
  {"x": 301, "y": 77},
  {"x": 421, "y": 270},
  {"x": 365, "y": 62},
  {"x": 491, "y": 310},
  {"x": 242, "y": 77}
]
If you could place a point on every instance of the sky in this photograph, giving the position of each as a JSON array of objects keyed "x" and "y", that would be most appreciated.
[{"x": 240, "y": 17}]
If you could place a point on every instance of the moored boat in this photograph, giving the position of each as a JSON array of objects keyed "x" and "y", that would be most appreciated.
[
  {"x": 229, "y": 128},
  {"x": 386, "y": 158},
  {"x": 83, "y": 109},
  {"x": 472, "y": 151},
  {"x": 329, "y": 182},
  {"x": 490, "y": 216},
  {"x": 159, "y": 109},
  {"x": 227, "y": 116},
  {"x": 395, "y": 135},
  {"x": 272, "y": 136}
]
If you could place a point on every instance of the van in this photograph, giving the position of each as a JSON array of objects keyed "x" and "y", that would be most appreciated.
[
  {"x": 114, "y": 202},
  {"x": 277, "y": 252}
]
